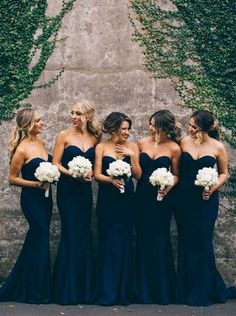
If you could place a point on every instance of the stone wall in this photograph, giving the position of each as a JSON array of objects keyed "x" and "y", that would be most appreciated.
[{"x": 102, "y": 64}]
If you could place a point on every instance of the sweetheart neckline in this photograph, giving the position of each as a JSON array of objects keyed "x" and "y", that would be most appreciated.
[
  {"x": 113, "y": 157},
  {"x": 84, "y": 152},
  {"x": 156, "y": 157},
  {"x": 46, "y": 160},
  {"x": 199, "y": 157}
]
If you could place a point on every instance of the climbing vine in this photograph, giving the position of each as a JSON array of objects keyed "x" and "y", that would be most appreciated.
[
  {"x": 28, "y": 37},
  {"x": 193, "y": 43}
]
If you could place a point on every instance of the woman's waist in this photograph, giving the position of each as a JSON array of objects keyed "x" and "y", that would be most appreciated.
[
  {"x": 70, "y": 179},
  {"x": 188, "y": 185},
  {"x": 34, "y": 193},
  {"x": 109, "y": 186}
]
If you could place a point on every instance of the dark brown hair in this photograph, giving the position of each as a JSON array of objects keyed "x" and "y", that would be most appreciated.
[
  {"x": 165, "y": 121},
  {"x": 113, "y": 122},
  {"x": 206, "y": 123}
]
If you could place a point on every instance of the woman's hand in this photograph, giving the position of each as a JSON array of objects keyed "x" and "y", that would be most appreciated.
[
  {"x": 206, "y": 194},
  {"x": 164, "y": 191},
  {"x": 124, "y": 151},
  {"x": 118, "y": 183},
  {"x": 43, "y": 185},
  {"x": 88, "y": 178}
]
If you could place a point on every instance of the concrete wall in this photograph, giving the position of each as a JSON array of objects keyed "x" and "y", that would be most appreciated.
[{"x": 102, "y": 64}]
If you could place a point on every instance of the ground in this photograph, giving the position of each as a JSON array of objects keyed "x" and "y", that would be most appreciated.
[{"x": 18, "y": 309}]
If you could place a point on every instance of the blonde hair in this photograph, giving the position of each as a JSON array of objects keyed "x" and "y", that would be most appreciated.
[
  {"x": 24, "y": 125},
  {"x": 88, "y": 110}
]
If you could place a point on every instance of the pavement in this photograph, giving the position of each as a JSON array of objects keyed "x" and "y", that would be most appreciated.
[{"x": 20, "y": 309}]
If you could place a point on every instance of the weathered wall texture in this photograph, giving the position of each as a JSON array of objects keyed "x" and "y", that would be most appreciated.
[{"x": 103, "y": 65}]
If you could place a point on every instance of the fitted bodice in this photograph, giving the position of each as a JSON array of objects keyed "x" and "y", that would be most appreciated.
[
  {"x": 69, "y": 153},
  {"x": 148, "y": 164},
  {"x": 106, "y": 160},
  {"x": 29, "y": 168},
  {"x": 189, "y": 168},
  {"x": 72, "y": 151}
]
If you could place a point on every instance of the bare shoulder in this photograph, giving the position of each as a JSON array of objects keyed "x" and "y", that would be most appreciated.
[
  {"x": 143, "y": 141},
  {"x": 185, "y": 140},
  {"x": 101, "y": 146},
  {"x": 21, "y": 152},
  {"x": 64, "y": 132},
  {"x": 219, "y": 146},
  {"x": 95, "y": 139},
  {"x": 41, "y": 141},
  {"x": 175, "y": 148},
  {"x": 133, "y": 145},
  {"x": 21, "y": 148},
  {"x": 62, "y": 135}
]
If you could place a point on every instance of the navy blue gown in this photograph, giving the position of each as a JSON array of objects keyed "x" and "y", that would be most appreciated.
[
  {"x": 155, "y": 272},
  {"x": 199, "y": 282},
  {"x": 30, "y": 278},
  {"x": 115, "y": 212},
  {"x": 73, "y": 271}
]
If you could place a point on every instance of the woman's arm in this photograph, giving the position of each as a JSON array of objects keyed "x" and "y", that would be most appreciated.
[
  {"x": 222, "y": 165},
  {"x": 16, "y": 165},
  {"x": 58, "y": 152},
  {"x": 175, "y": 161},
  {"x": 136, "y": 169}
]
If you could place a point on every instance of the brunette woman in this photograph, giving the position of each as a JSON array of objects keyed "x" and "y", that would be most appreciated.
[
  {"x": 115, "y": 211},
  {"x": 155, "y": 276},
  {"x": 199, "y": 283}
]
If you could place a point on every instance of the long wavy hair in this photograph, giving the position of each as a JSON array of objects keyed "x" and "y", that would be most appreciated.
[
  {"x": 164, "y": 121},
  {"x": 88, "y": 110},
  {"x": 24, "y": 125}
]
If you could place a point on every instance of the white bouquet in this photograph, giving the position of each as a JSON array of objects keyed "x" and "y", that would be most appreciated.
[
  {"x": 161, "y": 177},
  {"x": 119, "y": 169},
  {"x": 46, "y": 172},
  {"x": 206, "y": 177},
  {"x": 79, "y": 167}
]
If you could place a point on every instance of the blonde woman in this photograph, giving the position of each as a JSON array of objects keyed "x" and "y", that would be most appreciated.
[
  {"x": 73, "y": 272},
  {"x": 30, "y": 278}
]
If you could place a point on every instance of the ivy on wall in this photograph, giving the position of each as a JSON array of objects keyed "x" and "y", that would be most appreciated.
[
  {"x": 230, "y": 190},
  {"x": 193, "y": 43},
  {"x": 28, "y": 37}
]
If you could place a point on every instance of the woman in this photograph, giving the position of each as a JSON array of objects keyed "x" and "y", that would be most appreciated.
[
  {"x": 199, "y": 282},
  {"x": 30, "y": 278},
  {"x": 156, "y": 279},
  {"x": 115, "y": 213},
  {"x": 73, "y": 272}
]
